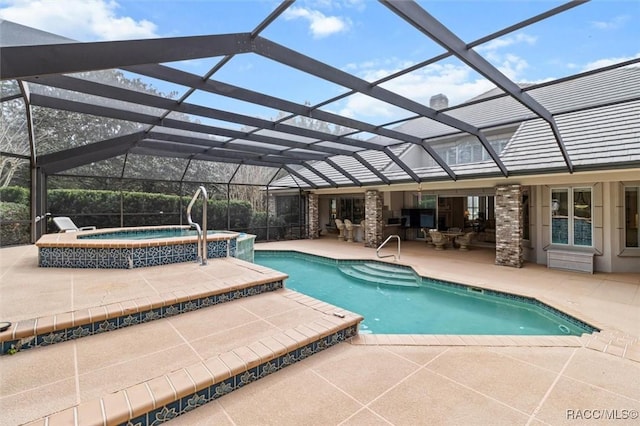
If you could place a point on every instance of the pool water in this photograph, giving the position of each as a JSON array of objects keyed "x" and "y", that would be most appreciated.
[
  {"x": 146, "y": 234},
  {"x": 434, "y": 307}
]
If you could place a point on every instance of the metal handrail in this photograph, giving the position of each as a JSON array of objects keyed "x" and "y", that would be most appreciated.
[
  {"x": 202, "y": 232},
  {"x": 385, "y": 242}
]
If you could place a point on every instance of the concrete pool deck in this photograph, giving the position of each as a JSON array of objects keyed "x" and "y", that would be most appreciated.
[{"x": 382, "y": 380}]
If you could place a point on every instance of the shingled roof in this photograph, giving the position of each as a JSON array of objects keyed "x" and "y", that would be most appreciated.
[{"x": 598, "y": 114}]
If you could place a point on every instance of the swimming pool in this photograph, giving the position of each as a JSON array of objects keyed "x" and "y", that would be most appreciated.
[{"x": 431, "y": 307}]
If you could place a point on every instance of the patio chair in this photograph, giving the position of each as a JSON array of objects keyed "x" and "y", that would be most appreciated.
[
  {"x": 465, "y": 241},
  {"x": 340, "y": 226},
  {"x": 65, "y": 224},
  {"x": 439, "y": 239},
  {"x": 427, "y": 235},
  {"x": 348, "y": 226}
]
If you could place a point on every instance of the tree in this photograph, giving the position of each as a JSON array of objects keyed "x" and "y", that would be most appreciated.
[{"x": 13, "y": 132}]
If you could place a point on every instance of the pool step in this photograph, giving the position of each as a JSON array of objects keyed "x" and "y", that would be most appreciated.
[{"x": 380, "y": 273}]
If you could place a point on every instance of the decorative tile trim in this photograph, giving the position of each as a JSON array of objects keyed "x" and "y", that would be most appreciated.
[
  {"x": 121, "y": 249},
  {"x": 223, "y": 387},
  {"x": 528, "y": 302},
  {"x": 145, "y": 314}
]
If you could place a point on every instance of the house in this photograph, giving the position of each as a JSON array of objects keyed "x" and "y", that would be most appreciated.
[{"x": 565, "y": 199}]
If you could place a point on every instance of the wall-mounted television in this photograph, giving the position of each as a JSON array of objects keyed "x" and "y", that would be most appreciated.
[{"x": 419, "y": 218}]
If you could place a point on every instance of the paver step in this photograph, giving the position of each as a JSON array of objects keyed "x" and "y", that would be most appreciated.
[
  {"x": 161, "y": 391},
  {"x": 45, "y": 331}
]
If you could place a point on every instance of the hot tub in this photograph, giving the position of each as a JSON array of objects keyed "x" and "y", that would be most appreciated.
[{"x": 126, "y": 248}]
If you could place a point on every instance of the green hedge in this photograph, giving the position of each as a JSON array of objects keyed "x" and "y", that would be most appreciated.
[
  {"x": 101, "y": 208},
  {"x": 15, "y": 194},
  {"x": 12, "y": 233}
]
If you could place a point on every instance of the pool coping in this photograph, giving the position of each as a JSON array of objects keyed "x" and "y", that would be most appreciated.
[
  {"x": 71, "y": 240},
  {"x": 607, "y": 339}
]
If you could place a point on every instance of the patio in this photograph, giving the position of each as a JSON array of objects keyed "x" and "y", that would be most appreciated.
[{"x": 434, "y": 379}]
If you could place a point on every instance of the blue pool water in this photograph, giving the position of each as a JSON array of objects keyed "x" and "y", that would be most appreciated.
[
  {"x": 435, "y": 307},
  {"x": 145, "y": 234}
]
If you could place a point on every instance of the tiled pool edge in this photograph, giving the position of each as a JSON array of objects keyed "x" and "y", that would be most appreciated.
[
  {"x": 163, "y": 398},
  {"x": 45, "y": 331}
]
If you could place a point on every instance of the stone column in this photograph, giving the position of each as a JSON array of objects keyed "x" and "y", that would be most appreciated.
[
  {"x": 314, "y": 218},
  {"x": 373, "y": 219},
  {"x": 509, "y": 250}
]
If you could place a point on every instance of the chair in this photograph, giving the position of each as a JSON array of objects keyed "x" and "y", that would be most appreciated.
[
  {"x": 439, "y": 239},
  {"x": 65, "y": 224},
  {"x": 427, "y": 235},
  {"x": 464, "y": 241},
  {"x": 340, "y": 226},
  {"x": 348, "y": 226}
]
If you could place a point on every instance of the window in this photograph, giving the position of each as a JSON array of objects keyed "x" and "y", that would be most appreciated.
[
  {"x": 498, "y": 146},
  {"x": 631, "y": 210},
  {"x": 473, "y": 208},
  {"x": 425, "y": 201},
  {"x": 571, "y": 212},
  {"x": 468, "y": 150},
  {"x": 347, "y": 208}
]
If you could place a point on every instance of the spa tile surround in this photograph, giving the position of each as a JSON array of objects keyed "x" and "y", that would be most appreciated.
[{"x": 84, "y": 250}]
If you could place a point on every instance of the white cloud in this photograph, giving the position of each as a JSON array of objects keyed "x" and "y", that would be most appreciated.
[
  {"x": 613, "y": 24},
  {"x": 83, "y": 20},
  {"x": 320, "y": 25},
  {"x": 457, "y": 82},
  {"x": 499, "y": 43},
  {"x": 509, "y": 64},
  {"x": 358, "y": 5},
  {"x": 608, "y": 61}
]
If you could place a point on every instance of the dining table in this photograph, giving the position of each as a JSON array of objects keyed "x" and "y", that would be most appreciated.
[{"x": 452, "y": 235}]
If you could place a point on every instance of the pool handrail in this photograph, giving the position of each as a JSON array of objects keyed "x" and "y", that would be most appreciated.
[
  {"x": 385, "y": 242},
  {"x": 202, "y": 232}
]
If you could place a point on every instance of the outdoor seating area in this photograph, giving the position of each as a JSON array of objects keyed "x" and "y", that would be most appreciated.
[{"x": 452, "y": 238}]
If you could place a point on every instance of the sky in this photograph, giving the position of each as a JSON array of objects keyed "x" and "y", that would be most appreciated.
[{"x": 361, "y": 37}]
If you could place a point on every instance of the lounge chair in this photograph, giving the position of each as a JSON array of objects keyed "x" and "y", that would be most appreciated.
[
  {"x": 340, "y": 226},
  {"x": 65, "y": 224},
  {"x": 439, "y": 239}
]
